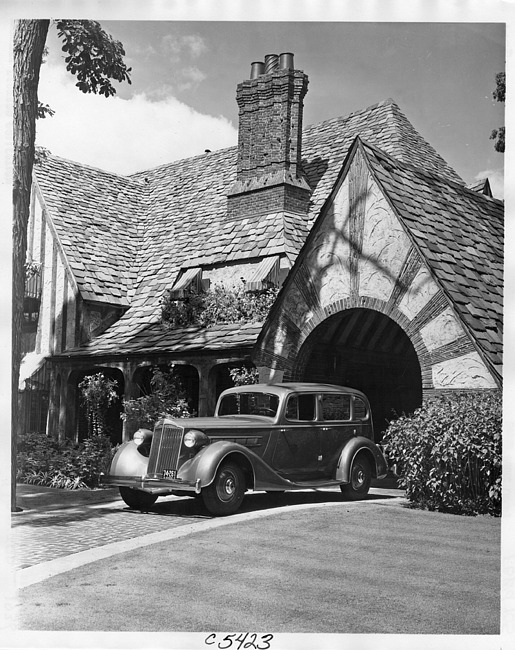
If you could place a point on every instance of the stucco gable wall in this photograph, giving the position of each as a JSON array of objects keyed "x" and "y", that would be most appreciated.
[{"x": 361, "y": 255}]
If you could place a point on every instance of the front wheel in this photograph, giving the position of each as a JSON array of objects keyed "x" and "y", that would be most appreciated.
[
  {"x": 360, "y": 479},
  {"x": 137, "y": 499},
  {"x": 226, "y": 492}
]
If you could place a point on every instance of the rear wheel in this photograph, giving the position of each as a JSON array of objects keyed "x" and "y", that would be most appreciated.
[
  {"x": 226, "y": 492},
  {"x": 360, "y": 479},
  {"x": 137, "y": 499}
]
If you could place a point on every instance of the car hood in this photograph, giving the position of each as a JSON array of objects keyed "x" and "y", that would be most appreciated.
[{"x": 232, "y": 421}]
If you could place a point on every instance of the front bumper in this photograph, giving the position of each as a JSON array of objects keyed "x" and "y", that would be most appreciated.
[{"x": 152, "y": 485}]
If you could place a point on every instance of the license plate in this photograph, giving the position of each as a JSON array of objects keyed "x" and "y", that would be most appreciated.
[{"x": 170, "y": 473}]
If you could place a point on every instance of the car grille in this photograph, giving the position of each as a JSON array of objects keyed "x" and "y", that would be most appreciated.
[{"x": 164, "y": 453}]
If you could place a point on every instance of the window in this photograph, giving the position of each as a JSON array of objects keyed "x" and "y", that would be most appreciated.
[
  {"x": 360, "y": 409},
  {"x": 301, "y": 407},
  {"x": 336, "y": 407},
  {"x": 249, "y": 404}
]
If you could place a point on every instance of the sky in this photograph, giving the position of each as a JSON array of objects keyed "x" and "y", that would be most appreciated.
[{"x": 184, "y": 77}]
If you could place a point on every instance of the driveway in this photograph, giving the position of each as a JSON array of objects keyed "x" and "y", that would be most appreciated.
[{"x": 298, "y": 562}]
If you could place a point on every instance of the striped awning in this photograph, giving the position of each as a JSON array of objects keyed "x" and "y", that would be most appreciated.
[
  {"x": 265, "y": 275},
  {"x": 188, "y": 280}
]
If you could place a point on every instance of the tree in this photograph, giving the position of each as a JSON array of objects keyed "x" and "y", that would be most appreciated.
[
  {"x": 95, "y": 58},
  {"x": 499, "y": 94}
]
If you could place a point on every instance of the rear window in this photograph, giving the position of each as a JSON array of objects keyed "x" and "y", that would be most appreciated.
[
  {"x": 301, "y": 407},
  {"x": 335, "y": 407},
  {"x": 249, "y": 404},
  {"x": 360, "y": 409}
]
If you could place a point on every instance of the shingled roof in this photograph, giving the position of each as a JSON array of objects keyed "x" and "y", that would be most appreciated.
[
  {"x": 97, "y": 217},
  {"x": 460, "y": 233},
  {"x": 136, "y": 233}
]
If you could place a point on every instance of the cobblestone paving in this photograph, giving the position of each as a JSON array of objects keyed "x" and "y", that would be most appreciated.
[
  {"x": 43, "y": 536},
  {"x": 55, "y": 530}
]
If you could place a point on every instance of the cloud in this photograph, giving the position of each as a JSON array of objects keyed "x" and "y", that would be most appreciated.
[
  {"x": 124, "y": 135},
  {"x": 496, "y": 178},
  {"x": 190, "y": 44}
]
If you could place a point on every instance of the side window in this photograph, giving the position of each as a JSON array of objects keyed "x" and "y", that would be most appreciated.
[
  {"x": 360, "y": 409},
  {"x": 300, "y": 407},
  {"x": 336, "y": 407}
]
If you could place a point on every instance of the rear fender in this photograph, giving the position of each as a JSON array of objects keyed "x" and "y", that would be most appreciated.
[
  {"x": 355, "y": 446},
  {"x": 128, "y": 461}
]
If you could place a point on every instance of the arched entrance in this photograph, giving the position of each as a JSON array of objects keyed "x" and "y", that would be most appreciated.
[{"x": 367, "y": 350}]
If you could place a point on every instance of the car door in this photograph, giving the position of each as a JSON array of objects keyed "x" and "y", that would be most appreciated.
[
  {"x": 296, "y": 454},
  {"x": 335, "y": 429}
]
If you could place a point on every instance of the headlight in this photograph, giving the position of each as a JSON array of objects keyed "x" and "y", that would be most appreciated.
[
  {"x": 195, "y": 438},
  {"x": 141, "y": 435}
]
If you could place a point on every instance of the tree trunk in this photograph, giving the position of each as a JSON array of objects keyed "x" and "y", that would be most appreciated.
[{"x": 29, "y": 43}]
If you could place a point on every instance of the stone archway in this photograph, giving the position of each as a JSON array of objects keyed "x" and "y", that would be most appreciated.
[{"x": 367, "y": 350}]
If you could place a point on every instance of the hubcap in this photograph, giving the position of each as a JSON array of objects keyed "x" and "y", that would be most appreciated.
[
  {"x": 226, "y": 486},
  {"x": 359, "y": 476}
]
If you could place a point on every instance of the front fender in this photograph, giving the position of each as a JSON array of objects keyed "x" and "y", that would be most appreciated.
[
  {"x": 128, "y": 461},
  {"x": 349, "y": 452},
  {"x": 204, "y": 465}
]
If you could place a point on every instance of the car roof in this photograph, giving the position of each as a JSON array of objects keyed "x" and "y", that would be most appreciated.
[{"x": 294, "y": 386}]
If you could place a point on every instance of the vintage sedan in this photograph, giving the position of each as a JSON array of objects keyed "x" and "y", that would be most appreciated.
[{"x": 272, "y": 437}]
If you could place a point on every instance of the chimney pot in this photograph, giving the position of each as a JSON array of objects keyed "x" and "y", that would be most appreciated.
[
  {"x": 286, "y": 61},
  {"x": 257, "y": 68},
  {"x": 271, "y": 63}
]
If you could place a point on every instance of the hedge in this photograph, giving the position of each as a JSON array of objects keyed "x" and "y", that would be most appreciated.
[{"x": 448, "y": 453}]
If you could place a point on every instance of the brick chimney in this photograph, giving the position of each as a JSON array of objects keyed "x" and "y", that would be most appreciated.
[{"x": 269, "y": 177}]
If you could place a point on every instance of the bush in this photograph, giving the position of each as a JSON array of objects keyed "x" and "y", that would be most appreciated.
[
  {"x": 166, "y": 396},
  {"x": 244, "y": 376},
  {"x": 220, "y": 305},
  {"x": 448, "y": 453},
  {"x": 64, "y": 464}
]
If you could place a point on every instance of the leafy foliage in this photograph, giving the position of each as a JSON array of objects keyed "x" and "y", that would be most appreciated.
[
  {"x": 94, "y": 56},
  {"x": 97, "y": 393},
  {"x": 244, "y": 376},
  {"x": 62, "y": 464},
  {"x": 43, "y": 110},
  {"x": 220, "y": 305},
  {"x": 499, "y": 94},
  {"x": 166, "y": 396},
  {"x": 32, "y": 268},
  {"x": 448, "y": 453}
]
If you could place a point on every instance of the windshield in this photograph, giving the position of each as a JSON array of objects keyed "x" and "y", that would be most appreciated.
[{"x": 249, "y": 404}]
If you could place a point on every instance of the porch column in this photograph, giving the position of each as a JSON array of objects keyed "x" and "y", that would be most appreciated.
[
  {"x": 206, "y": 388},
  {"x": 62, "y": 415},
  {"x": 130, "y": 391},
  {"x": 53, "y": 405}
]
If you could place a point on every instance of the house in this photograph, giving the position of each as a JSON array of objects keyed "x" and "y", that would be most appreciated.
[{"x": 390, "y": 267}]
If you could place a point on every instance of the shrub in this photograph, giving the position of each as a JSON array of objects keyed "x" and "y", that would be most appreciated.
[
  {"x": 448, "y": 453},
  {"x": 64, "y": 464},
  {"x": 220, "y": 305},
  {"x": 166, "y": 396},
  {"x": 244, "y": 376}
]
